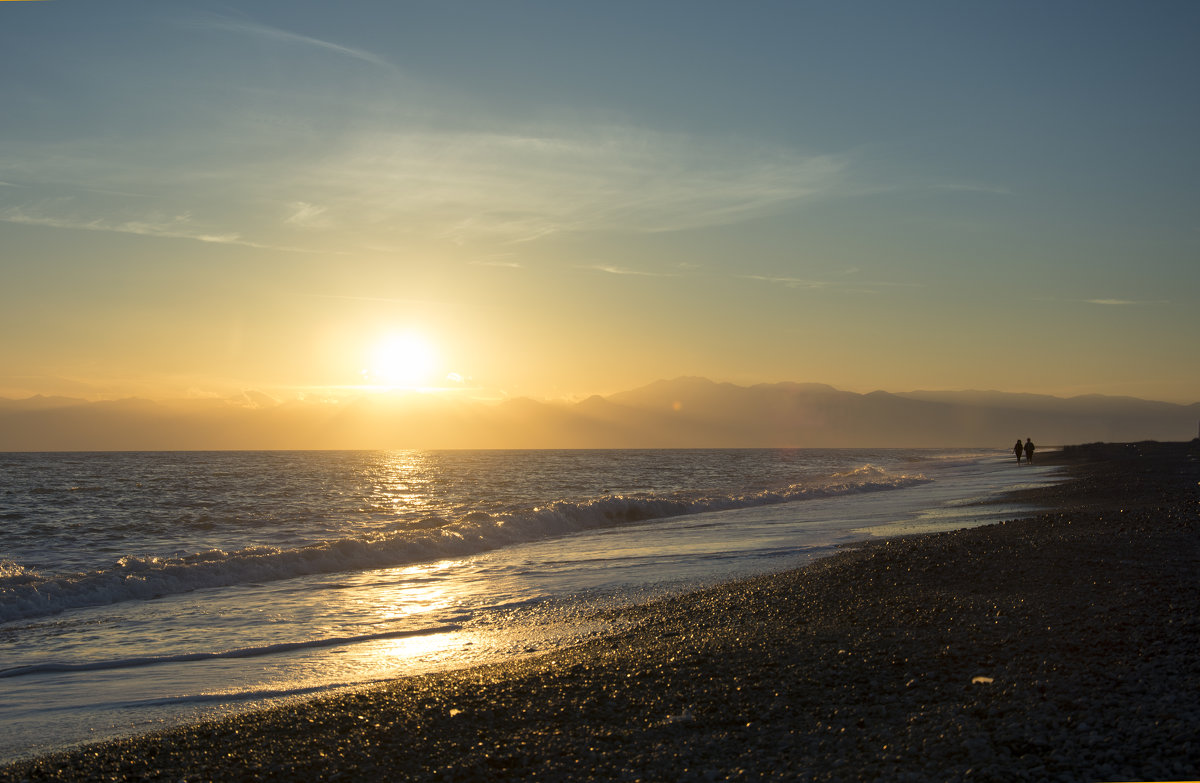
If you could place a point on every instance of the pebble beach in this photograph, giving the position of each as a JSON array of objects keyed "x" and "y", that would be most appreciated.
[{"x": 1062, "y": 646}]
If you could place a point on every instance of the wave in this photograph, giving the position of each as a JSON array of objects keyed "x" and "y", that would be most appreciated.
[
  {"x": 244, "y": 652},
  {"x": 222, "y": 698},
  {"x": 26, "y": 594},
  {"x": 13, "y": 572}
]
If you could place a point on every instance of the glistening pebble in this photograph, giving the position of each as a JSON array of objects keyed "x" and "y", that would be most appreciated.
[{"x": 1062, "y": 647}]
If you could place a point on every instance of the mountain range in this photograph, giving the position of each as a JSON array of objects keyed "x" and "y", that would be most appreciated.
[{"x": 679, "y": 413}]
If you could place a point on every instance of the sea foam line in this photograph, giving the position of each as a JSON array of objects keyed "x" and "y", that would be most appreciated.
[
  {"x": 26, "y": 594},
  {"x": 244, "y": 652},
  {"x": 230, "y": 697}
]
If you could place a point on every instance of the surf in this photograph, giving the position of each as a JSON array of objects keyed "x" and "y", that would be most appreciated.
[{"x": 27, "y": 594}]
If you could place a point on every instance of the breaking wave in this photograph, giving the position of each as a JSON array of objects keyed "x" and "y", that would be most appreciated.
[{"x": 26, "y": 594}]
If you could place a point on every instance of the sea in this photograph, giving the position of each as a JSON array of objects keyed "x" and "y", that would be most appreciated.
[{"x": 144, "y": 590}]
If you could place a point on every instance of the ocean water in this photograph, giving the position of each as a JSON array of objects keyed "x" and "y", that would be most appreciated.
[{"x": 140, "y": 590}]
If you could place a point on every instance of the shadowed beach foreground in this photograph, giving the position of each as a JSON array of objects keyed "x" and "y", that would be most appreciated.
[{"x": 1058, "y": 647}]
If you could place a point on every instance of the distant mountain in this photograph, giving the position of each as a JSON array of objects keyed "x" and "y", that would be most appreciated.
[
  {"x": 790, "y": 414},
  {"x": 679, "y": 413},
  {"x": 38, "y": 402}
]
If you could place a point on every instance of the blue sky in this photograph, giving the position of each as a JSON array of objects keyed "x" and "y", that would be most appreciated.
[{"x": 570, "y": 198}]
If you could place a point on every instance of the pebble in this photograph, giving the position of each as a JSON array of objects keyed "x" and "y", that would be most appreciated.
[{"x": 862, "y": 666}]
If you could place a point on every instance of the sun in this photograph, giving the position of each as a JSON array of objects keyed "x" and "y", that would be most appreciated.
[{"x": 401, "y": 361}]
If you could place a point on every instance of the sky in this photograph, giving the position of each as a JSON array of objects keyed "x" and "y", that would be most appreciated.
[{"x": 497, "y": 199}]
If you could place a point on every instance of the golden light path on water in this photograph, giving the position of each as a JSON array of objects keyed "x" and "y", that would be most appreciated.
[
  {"x": 428, "y": 619},
  {"x": 412, "y": 596}
]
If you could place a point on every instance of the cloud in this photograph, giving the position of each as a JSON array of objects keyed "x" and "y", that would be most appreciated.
[
  {"x": 1123, "y": 302},
  {"x": 253, "y": 399},
  {"x": 503, "y": 261},
  {"x": 174, "y": 228},
  {"x": 177, "y": 227},
  {"x": 283, "y": 161},
  {"x": 790, "y": 282},
  {"x": 307, "y": 215},
  {"x": 379, "y": 186},
  {"x": 266, "y": 32},
  {"x": 520, "y": 186},
  {"x": 860, "y": 286},
  {"x": 618, "y": 270}
]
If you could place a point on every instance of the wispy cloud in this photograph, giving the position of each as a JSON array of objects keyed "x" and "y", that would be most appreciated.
[
  {"x": 266, "y": 32},
  {"x": 505, "y": 261},
  {"x": 620, "y": 270},
  {"x": 789, "y": 282},
  {"x": 466, "y": 187},
  {"x": 279, "y": 173},
  {"x": 174, "y": 228},
  {"x": 1124, "y": 302},
  {"x": 307, "y": 215},
  {"x": 179, "y": 227},
  {"x": 520, "y": 186},
  {"x": 813, "y": 285}
]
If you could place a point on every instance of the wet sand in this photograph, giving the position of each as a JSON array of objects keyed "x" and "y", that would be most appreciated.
[{"x": 1065, "y": 646}]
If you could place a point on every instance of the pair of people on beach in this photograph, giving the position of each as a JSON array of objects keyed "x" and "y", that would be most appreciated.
[{"x": 1027, "y": 448}]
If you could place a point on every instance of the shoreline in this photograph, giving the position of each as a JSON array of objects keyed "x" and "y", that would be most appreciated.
[{"x": 1059, "y": 646}]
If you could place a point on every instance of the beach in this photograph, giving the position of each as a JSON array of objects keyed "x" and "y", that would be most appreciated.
[{"x": 1056, "y": 647}]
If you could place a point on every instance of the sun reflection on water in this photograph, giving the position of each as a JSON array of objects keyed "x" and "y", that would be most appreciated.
[
  {"x": 429, "y": 617},
  {"x": 401, "y": 482},
  {"x": 428, "y": 650},
  {"x": 395, "y": 595}
]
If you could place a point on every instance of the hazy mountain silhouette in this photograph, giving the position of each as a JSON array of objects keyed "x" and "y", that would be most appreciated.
[{"x": 679, "y": 413}]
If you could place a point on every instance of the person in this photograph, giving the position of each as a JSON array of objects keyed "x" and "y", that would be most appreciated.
[
  {"x": 1029, "y": 451},
  {"x": 1017, "y": 449}
]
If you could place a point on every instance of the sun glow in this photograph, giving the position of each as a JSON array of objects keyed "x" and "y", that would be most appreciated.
[{"x": 401, "y": 361}]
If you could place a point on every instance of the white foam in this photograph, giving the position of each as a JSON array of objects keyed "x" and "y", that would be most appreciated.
[{"x": 25, "y": 594}]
